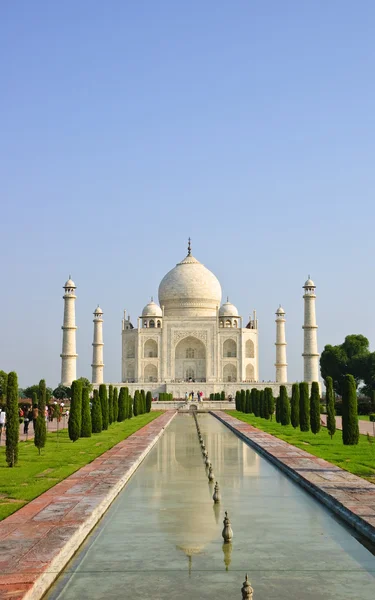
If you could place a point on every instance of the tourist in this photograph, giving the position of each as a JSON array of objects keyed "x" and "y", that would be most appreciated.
[
  {"x": 35, "y": 414},
  {"x": 2, "y": 419},
  {"x": 26, "y": 421},
  {"x": 192, "y": 396},
  {"x": 186, "y": 396}
]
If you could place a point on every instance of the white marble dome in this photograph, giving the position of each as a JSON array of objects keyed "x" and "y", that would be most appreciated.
[
  {"x": 309, "y": 283},
  {"x": 280, "y": 311},
  {"x": 70, "y": 283},
  {"x": 228, "y": 310},
  {"x": 190, "y": 289},
  {"x": 98, "y": 311},
  {"x": 152, "y": 310}
]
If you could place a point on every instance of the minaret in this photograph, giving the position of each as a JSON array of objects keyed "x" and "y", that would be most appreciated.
[
  {"x": 310, "y": 341},
  {"x": 280, "y": 364},
  {"x": 97, "y": 347},
  {"x": 68, "y": 355}
]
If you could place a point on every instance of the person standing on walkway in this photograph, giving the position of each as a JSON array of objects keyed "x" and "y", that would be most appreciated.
[
  {"x": 26, "y": 420},
  {"x": 2, "y": 420}
]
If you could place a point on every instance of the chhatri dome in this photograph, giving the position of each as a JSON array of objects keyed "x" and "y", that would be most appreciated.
[
  {"x": 228, "y": 310},
  {"x": 152, "y": 310},
  {"x": 190, "y": 289}
]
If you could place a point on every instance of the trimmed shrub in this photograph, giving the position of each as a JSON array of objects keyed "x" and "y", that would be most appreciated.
[
  {"x": 294, "y": 405},
  {"x": 148, "y": 401},
  {"x": 304, "y": 407},
  {"x": 330, "y": 402},
  {"x": 86, "y": 427},
  {"x": 270, "y": 402},
  {"x": 75, "y": 413},
  {"x": 238, "y": 400},
  {"x": 130, "y": 407},
  {"x": 115, "y": 405},
  {"x": 253, "y": 394},
  {"x": 136, "y": 406},
  {"x": 121, "y": 416},
  {"x": 261, "y": 403},
  {"x": 143, "y": 402},
  {"x": 256, "y": 405},
  {"x": 350, "y": 429},
  {"x": 12, "y": 422},
  {"x": 315, "y": 407},
  {"x": 277, "y": 415},
  {"x": 104, "y": 404},
  {"x": 110, "y": 404},
  {"x": 222, "y": 396},
  {"x": 96, "y": 413},
  {"x": 284, "y": 406},
  {"x": 266, "y": 405},
  {"x": 248, "y": 402},
  {"x": 40, "y": 433},
  {"x": 243, "y": 400}
]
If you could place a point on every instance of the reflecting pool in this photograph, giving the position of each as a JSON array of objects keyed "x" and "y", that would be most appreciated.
[{"x": 161, "y": 538}]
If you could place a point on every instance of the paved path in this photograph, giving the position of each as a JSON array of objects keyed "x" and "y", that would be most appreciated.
[
  {"x": 351, "y": 497},
  {"x": 365, "y": 427},
  {"x": 51, "y": 426},
  {"x": 37, "y": 541}
]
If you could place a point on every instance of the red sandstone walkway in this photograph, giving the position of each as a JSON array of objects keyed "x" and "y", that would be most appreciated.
[
  {"x": 365, "y": 427},
  {"x": 351, "y": 497},
  {"x": 38, "y": 540}
]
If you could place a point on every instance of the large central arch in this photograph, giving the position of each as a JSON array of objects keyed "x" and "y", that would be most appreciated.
[{"x": 190, "y": 360}]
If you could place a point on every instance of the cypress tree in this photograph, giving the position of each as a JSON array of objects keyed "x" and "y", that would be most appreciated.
[
  {"x": 136, "y": 403},
  {"x": 270, "y": 402},
  {"x": 148, "y": 401},
  {"x": 304, "y": 406},
  {"x": 243, "y": 400},
  {"x": 256, "y": 405},
  {"x": 110, "y": 404},
  {"x": 96, "y": 413},
  {"x": 104, "y": 404},
  {"x": 284, "y": 406},
  {"x": 261, "y": 403},
  {"x": 294, "y": 405},
  {"x": 121, "y": 416},
  {"x": 253, "y": 394},
  {"x": 143, "y": 402},
  {"x": 247, "y": 402},
  {"x": 86, "y": 426},
  {"x": 40, "y": 433},
  {"x": 75, "y": 413},
  {"x": 12, "y": 420},
  {"x": 222, "y": 396},
  {"x": 277, "y": 416},
  {"x": 330, "y": 402},
  {"x": 238, "y": 397},
  {"x": 115, "y": 405},
  {"x": 130, "y": 408},
  {"x": 315, "y": 407},
  {"x": 266, "y": 403},
  {"x": 350, "y": 430}
]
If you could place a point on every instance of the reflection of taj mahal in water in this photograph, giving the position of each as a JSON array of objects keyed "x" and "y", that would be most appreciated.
[{"x": 190, "y": 340}]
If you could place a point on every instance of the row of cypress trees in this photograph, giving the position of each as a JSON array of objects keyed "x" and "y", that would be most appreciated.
[
  {"x": 218, "y": 396},
  {"x": 261, "y": 403}
]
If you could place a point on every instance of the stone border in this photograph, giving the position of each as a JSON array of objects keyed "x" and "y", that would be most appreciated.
[
  {"x": 348, "y": 496},
  {"x": 37, "y": 541}
]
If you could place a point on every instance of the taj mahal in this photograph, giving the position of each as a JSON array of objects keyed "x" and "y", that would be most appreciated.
[{"x": 190, "y": 340}]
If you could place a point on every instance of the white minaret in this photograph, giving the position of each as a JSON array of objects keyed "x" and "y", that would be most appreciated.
[
  {"x": 281, "y": 364},
  {"x": 68, "y": 355},
  {"x": 97, "y": 347},
  {"x": 310, "y": 340}
]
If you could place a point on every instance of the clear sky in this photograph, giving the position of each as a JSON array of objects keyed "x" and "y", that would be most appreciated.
[{"x": 125, "y": 127}]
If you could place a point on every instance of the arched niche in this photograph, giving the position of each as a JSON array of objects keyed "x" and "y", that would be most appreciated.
[
  {"x": 151, "y": 373},
  {"x": 230, "y": 349},
  {"x": 229, "y": 373},
  {"x": 150, "y": 349},
  {"x": 249, "y": 349},
  {"x": 249, "y": 372},
  {"x": 190, "y": 360}
]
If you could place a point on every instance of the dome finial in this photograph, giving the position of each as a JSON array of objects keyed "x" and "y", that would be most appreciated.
[
  {"x": 152, "y": 298},
  {"x": 189, "y": 247}
]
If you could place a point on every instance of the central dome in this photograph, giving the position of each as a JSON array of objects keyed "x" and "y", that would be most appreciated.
[{"x": 190, "y": 289}]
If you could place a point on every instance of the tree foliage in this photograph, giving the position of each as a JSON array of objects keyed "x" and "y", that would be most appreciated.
[
  {"x": 12, "y": 420},
  {"x": 86, "y": 426},
  {"x": 96, "y": 413},
  {"x": 3, "y": 386},
  {"x": 330, "y": 402},
  {"x": 294, "y": 405},
  {"x": 315, "y": 407},
  {"x": 148, "y": 401},
  {"x": 110, "y": 404},
  {"x": 270, "y": 402},
  {"x": 75, "y": 413},
  {"x": 40, "y": 434},
  {"x": 104, "y": 404},
  {"x": 61, "y": 392},
  {"x": 86, "y": 383},
  {"x": 304, "y": 406},
  {"x": 350, "y": 429},
  {"x": 115, "y": 405},
  {"x": 351, "y": 357},
  {"x": 284, "y": 406},
  {"x": 121, "y": 416}
]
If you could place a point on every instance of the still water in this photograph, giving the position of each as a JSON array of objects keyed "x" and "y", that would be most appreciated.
[{"x": 161, "y": 538}]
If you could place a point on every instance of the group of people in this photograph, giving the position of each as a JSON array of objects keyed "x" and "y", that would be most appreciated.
[
  {"x": 192, "y": 396},
  {"x": 29, "y": 414}
]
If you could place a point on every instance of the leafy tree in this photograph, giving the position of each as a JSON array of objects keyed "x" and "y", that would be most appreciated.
[
  {"x": 294, "y": 405},
  {"x": 350, "y": 429},
  {"x": 110, "y": 404},
  {"x": 115, "y": 405},
  {"x": 21, "y": 394},
  {"x": 86, "y": 383},
  {"x": 12, "y": 420},
  {"x": 61, "y": 392},
  {"x": 304, "y": 407},
  {"x": 96, "y": 413},
  {"x": 3, "y": 386},
  {"x": 284, "y": 406},
  {"x": 86, "y": 425},
  {"x": 148, "y": 401},
  {"x": 330, "y": 402},
  {"x": 122, "y": 404},
  {"x": 40, "y": 434},
  {"x": 104, "y": 404},
  {"x": 29, "y": 391},
  {"x": 270, "y": 402},
  {"x": 75, "y": 413},
  {"x": 350, "y": 357},
  {"x": 315, "y": 407}
]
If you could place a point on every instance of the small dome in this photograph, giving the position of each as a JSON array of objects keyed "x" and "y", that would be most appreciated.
[
  {"x": 70, "y": 283},
  {"x": 309, "y": 283},
  {"x": 228, "y": 310},
  {"x": 152, "y": 310},
  {"x": 280, "y": 311},
  {"x": 98, "y": 311}
]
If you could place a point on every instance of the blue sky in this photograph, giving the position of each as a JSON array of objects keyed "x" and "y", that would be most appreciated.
[{"x": 128, "y": 126}]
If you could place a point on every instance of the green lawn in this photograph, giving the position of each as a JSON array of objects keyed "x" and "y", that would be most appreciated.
[
  {"x": 60, "y": 458},
  {"x": 359, "y": 459}
]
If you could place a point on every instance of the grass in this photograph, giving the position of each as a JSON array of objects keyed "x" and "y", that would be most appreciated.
[
  {"x": 35, "y": 474},
  {"x": 359, "y": 460}
]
